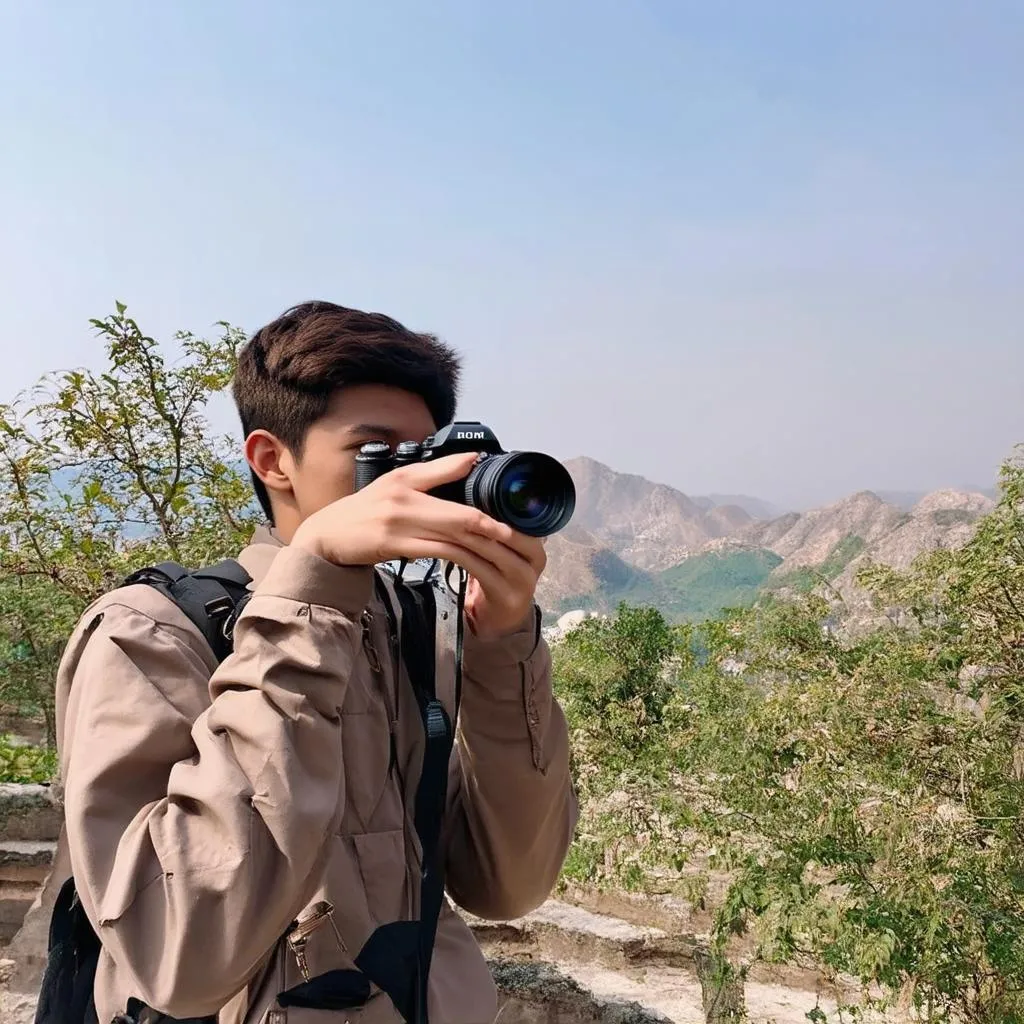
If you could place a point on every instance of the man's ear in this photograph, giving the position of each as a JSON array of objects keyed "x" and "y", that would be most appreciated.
[{"x": 271, "y": 461}]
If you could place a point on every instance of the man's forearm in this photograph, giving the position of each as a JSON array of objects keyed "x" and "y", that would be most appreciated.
[{"x": 515, "y": 811}]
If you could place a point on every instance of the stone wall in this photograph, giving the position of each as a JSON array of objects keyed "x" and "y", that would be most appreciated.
[{"x": 30, "y": 822}]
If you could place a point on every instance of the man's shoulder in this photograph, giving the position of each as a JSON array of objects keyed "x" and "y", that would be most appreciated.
[
  {"x": 133, "y": 606},
  {"x": 140, "y": 599},
  {"x": 134, "y": 636}
]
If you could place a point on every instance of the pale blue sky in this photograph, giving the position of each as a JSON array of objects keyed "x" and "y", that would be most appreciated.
[{"x": 761, "y": 247}]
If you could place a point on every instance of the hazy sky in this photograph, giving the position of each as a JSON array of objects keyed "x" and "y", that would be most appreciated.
[{"x": 763, "y": 247}]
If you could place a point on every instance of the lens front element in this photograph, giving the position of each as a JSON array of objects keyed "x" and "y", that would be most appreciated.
[{"x": 530, "y": 491}]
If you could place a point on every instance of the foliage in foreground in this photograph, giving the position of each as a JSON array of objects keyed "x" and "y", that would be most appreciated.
[
  {"x": 26, "y": 763},
  {"x": 103, "y": 472},
  {"x": 862, "y": 797}
]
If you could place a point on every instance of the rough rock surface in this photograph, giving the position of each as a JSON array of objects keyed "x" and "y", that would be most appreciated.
[
  {"x": 28, "y": 812},
  {"x": 651, "y": 526},
  {"x": 28, "y": 947},
  {"x": 538, "y": 993}
]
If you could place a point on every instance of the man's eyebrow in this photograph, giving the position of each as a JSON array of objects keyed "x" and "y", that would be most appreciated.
[{"x": 359, "y": 429}]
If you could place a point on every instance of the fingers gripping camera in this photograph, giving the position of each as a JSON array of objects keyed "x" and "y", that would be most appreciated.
[{"x": 531, "y": 492}]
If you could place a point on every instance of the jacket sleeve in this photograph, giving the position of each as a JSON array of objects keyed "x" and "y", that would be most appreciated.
[
  {"x": 514, "y": 809},
  {"x": 193, "y": 844}
]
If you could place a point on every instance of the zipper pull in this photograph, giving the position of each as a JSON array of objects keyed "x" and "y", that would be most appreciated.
[
  {"x": 299, "y": 949},
  {"x": 319, "y": 913}
]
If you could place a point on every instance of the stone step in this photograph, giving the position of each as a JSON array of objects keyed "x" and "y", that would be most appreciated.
[
  {"x": 29, "y": 812},
  {"x": 557, "y": 931},
  {"x": 539, "y": 993},
  {"x": 626, "y": 969},
  {"x": 24, "y": 865},
  {"x": 25, "y": 859}
]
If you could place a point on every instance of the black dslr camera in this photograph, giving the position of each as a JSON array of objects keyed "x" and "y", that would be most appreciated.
[{"x": 531, "y": 492}]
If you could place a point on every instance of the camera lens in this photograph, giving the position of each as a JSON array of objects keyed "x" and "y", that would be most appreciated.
[{"x": 531, "y": 492}]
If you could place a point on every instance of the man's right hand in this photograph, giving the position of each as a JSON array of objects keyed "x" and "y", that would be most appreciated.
[{"x": 394, "y": 517}]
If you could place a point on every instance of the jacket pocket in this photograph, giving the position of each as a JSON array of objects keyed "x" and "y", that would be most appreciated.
[{"x": 381, "y": 860}]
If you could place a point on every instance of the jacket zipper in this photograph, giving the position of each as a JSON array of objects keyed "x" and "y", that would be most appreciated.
[
  {"x": 371, "y": 649},
  {"x": 395, "y": 650},
  {"x": 376, "y": 666}
]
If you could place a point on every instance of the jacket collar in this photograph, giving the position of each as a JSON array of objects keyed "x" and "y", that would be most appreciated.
[{"x": 260, "y": 552}]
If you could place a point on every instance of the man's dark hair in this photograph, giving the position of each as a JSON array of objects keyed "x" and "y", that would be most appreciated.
[{"x": 289, "y": 369}]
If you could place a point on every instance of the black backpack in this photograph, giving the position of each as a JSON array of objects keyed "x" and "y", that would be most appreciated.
[{"x": 397, "y": 956}]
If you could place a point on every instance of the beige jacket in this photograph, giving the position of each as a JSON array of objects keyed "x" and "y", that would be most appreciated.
[{"x": 206, "y": 807}]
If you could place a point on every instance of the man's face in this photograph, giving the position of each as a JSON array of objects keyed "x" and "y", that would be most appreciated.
[{"x": 325, "y": 470}]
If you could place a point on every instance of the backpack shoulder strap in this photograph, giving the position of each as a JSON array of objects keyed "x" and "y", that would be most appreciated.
[
  {"x": 212, "y": 597},
  {"x": 65, "y": 992}
]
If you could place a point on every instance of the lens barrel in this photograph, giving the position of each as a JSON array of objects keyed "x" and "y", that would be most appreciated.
[{"x": 531, "y": 492}]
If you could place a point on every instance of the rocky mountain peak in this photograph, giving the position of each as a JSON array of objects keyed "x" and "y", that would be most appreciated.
[
  {"x": 967, "y": 501},
  {"x": 649, "y": 525}
]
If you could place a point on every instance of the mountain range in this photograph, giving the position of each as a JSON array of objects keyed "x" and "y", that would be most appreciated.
[
  {"x": 635, "y": 540},
  {"x": 648, "y": 543}
]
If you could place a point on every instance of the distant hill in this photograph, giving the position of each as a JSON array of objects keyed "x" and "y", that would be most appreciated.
[
  {"x": 639, "y": 541},
  {"x": 808, "y": 539},
  {"x": 756, "y": 508},
  {"x": 696, "y": 588},
  {"x": 944, "y": 519},
  {"x": 831, "y": 544},
  {"x": 906, "y": 500},
  {"x": 651, "y": 526}
]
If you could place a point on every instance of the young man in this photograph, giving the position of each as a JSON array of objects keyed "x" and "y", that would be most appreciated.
[{"x": 208, "y": 808}]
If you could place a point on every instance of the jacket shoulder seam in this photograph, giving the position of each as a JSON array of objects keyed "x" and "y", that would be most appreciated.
[{"x": 173, "y": 620}]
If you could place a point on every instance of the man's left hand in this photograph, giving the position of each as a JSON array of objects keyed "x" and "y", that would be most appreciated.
[{"x": 502, "y": 584}]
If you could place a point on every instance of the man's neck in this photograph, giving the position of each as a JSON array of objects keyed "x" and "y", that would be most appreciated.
[{"x": 285, "y": 525}]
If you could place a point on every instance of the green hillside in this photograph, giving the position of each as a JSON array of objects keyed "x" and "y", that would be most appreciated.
[
  {"x": 805, "y": 579},
  {"x": 704, "y": 585},
  {"x": 695, "y": 589}
]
